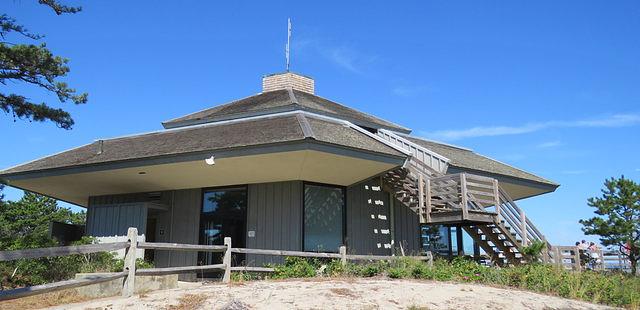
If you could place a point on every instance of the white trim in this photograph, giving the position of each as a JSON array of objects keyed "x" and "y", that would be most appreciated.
[
  {"x": 239, "y": 120},
  {"x": 275, "y": 115},
  {"x": 417, "y": 146}
]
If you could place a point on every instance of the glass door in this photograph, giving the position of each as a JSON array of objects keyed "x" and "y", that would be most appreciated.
[{"x": 223, "y": 214}]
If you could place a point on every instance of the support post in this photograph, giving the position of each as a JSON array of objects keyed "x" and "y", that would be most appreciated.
[
  {"x": 421, "y": 207},
  {"x": 496, "y": 195},
  {"x": 523, "y": 227},
  {"x": 343, "y": 255},
  {"x": 558, "y": 257},
  {"x": 430, "y": 258},
  {"x": 226, "y": 260},
  {"x": 463, "y": 198},
  {"x": 428, "y": 199},
  {"x": 130, "y": 263}
]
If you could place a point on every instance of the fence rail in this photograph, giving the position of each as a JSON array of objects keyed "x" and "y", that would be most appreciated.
[{"x": 129, "y": 271}]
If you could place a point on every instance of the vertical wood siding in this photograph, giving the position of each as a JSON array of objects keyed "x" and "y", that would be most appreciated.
[
  {"x": 364, "y": 233},
  {"x": 406, "y": 228},
  {"x": 185, "y": 226},
  {"x": 274, "y": 213}
]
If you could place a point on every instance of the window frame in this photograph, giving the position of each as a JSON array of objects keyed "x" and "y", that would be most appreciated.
[{"x": 344, "y": 212}]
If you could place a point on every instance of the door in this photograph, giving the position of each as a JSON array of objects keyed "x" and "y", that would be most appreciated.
[{"x": 223, "y": 214}]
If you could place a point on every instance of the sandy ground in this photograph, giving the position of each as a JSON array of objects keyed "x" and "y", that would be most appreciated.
[{"x": 336, "y": 294}]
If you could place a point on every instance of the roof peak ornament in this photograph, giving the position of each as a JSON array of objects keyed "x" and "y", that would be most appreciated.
[{"x": 287, "y": 47}]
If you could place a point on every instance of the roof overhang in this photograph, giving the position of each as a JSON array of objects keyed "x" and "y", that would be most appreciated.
[
  {"x": 308, "y": 160},
  {"x": 517, "y": 188}
]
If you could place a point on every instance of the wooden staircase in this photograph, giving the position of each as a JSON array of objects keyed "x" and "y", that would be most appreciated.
[{"x": 476, "y": 203}]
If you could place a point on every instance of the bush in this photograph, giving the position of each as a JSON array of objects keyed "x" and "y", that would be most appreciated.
[{"x": 296, "y": 267}]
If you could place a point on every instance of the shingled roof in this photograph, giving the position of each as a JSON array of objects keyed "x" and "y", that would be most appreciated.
[
  {"x": 468, "y": 159},
  {"x": 209, "y": 137},
  {"x": 280, "y": 101}
]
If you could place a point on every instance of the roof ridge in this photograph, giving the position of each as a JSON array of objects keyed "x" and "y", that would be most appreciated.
[
  {"x": 356, "y": 110},
  {"x": 305, "y": 126},
  {"x": 292, "y": 96}
]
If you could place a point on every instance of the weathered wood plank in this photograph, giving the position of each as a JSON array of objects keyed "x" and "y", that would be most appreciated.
[
  {"x": 381, "y": 257},
  {"x": 181, "y": 247},
  {"x": 284, "y": 253},
  {"x": 62, "y": 251},
  {"x": 50, "y": 287},
  {"x": 174, "y": 270},
  {"x": 252, "y": 269}
]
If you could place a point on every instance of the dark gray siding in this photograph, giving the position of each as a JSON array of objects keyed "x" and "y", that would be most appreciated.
[
  {"x": 185, "y": 225},
  {"x": 406, "y": 229},
  {"x": 274, "y": 215},
  {"x": 179, "y": 223},
  {"x": 364, "y": 233},
  {"x": 118, "y": 219}
]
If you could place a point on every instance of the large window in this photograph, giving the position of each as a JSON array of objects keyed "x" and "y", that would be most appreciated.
[
  {"x": 224, "y": 213},
  {"x": 323, "y": 218}
]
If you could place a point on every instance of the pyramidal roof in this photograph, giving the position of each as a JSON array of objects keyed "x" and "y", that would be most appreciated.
[{"x": 282, "y": 93}]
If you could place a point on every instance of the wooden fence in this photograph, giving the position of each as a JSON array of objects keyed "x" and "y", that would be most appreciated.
[
  {"x": 568, "y": 257},
  {"x": 129, "y": 271}
]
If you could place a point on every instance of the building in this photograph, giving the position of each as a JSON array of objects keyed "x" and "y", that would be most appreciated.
[{"x": 287, "y": 169}]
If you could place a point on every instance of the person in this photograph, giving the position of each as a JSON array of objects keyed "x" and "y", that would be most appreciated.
[
  {"x": 594, "y": 256},
  {"x": 583, "y": 245}
]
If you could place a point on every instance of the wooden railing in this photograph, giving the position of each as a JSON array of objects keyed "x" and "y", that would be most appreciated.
[
  {"x": 129, "y": 272},
  {"x": 431, "y": 159},
  {"x": 468, "y": 192}
]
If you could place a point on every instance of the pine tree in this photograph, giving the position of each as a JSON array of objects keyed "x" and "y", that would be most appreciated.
[
  {"x": 618, "y": 218},
  {"x": 38, "y": 66}
]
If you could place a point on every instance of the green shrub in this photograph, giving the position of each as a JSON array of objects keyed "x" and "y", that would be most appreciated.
[
  {"x": 296, "y": 267},
  {"x": 398, "y": 272}
]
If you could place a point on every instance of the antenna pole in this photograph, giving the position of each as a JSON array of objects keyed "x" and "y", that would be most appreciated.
[{"x": 287, "y": 47}]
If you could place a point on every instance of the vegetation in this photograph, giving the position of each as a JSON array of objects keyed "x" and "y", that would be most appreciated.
[
  {"x": 34, "y": 65},
  {"x": 614, "y": 289},
  {"x": 24, "y": 224},
  {"x": 533, "y": 252},
  {"x": 617, "y": 219}
]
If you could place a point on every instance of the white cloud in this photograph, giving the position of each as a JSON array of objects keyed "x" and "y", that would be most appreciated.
[
  {"x": 344, "y": 56},
  {"x": 617, "y": 120},
  {"x": 548, "y": 144}
]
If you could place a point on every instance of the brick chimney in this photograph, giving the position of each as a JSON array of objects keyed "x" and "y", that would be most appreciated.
[{"x": 286, "y": 80}]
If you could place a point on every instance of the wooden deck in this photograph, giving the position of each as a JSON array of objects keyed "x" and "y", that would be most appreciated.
[{"x": 456, "y": 217}]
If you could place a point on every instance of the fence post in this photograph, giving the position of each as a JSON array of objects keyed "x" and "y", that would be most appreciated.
[
  {"x": 430, "y": 258},
  {"x": 578, "y": 263},
  {"x": 130, "y": 263},
  {"x": 227, "y": 261},
  {"x": 558, "y": 257},
  {"x": 343, "y": 255}
]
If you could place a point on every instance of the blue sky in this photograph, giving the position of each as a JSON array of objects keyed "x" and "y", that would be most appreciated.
[{"x": 547, "y": 86}]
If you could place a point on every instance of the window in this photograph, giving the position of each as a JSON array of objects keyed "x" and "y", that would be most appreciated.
[{"x": 323, "y": 218}]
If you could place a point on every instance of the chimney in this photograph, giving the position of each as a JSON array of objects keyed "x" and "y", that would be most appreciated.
[{"x": 286, "y": 80}]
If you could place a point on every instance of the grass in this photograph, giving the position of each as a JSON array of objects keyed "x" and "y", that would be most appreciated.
[
  {"x": 614, "y": 289},
  {"x": 189, "y": 301},
  {"x": 44, "y": 300}
]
